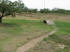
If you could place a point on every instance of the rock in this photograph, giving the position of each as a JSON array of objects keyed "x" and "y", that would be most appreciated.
[
  {"x": 45, "y": 21},
  {"x": 50, "y": 22}
]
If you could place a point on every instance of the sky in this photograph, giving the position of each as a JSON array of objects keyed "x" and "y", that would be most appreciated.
[{"x": 39, "y": 4}]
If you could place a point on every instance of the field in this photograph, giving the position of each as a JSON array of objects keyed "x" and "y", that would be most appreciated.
[
  {"x": 58, "y": 42},
  {"x": 16, "y": 32}
]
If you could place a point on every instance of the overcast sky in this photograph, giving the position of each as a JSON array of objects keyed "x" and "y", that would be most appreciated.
[{"x": 39, "y": 4}]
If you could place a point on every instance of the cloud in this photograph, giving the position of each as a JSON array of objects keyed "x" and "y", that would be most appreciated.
[{"x": 65, "y": 4}]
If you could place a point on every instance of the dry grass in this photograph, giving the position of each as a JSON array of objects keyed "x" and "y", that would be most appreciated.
[
  {"x": 58, "y": 42},
  {"x": 16, "y": 32},
  {"x": 40, "y": 16}
]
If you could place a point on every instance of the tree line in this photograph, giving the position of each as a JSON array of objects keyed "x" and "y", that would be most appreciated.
[{"x": 55, "y": 10}]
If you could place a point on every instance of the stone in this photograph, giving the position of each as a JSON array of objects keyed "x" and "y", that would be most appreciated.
[
  {"x": 50, "y": 22},
  {"x": 45, "y": 21}
]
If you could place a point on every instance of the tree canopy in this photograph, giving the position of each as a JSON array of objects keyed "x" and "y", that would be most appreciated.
[{"x": 9, "y": 8}]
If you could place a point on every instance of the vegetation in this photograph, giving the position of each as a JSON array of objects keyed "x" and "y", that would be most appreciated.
[
  {"x": 9, "y": 8},
  {"x": 55, "y": 10},
  {"x": 62, "y": 36},
  {"x": 16, "y": 32},
  {"x": 51, "y": 44}
]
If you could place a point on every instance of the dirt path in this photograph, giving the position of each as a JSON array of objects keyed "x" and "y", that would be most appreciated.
[{"x": 33, "y": 42}]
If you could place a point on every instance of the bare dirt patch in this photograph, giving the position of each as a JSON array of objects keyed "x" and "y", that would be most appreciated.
[{"x": 33, "y": 42}]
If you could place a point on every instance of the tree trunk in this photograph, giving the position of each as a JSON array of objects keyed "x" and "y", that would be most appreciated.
[{"x": 0, "y": 19}]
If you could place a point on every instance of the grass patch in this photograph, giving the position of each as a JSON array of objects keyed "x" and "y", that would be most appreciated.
[
  {"x": 45, "y": 39},
  {"x": 63, "y": 34},
  {"x": 16, "y": 32},
  {"x": 50, "y": 44}
]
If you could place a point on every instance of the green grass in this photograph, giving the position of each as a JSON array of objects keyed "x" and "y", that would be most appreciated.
[
  {"x": 64, "y": 27},
  {"x": 63, "y": 34},
  {"x": 16, "y": 32},
  {"x": 50, "y": 44}
]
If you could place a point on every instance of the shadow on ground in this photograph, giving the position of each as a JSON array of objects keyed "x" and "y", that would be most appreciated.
[{"x": 8, "y": 25}]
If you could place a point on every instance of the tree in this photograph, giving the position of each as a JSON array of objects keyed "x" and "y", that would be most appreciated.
[
  {"x": 20, "y": 5},
  {"x": 60, "y": 11},
  {"x": 44, "y": 10},
  {"x": 41, "y": 10},
  {"x": 34, "y": 10},
  {"x": 25, "y": 9},
  {"x": 9, "y": 8}
]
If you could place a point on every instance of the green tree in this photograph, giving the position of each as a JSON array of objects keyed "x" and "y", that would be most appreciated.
[
  {"x": 61, "y": 11},
  {"x": 41, "y": 10},
  {"x": 20, "y": 5},
  {"x": 9, "y": 8},
  {"x": 25, "y": 9},
  {"x": 34, "y": 10},
  {"x": 44, "y": 10}
]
